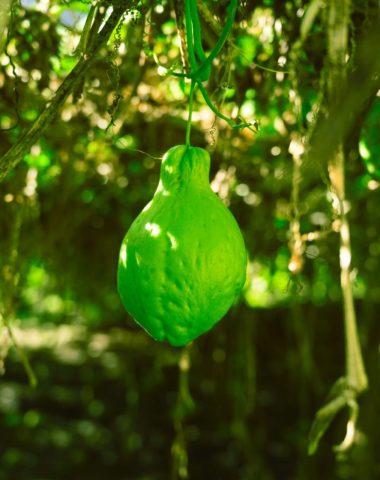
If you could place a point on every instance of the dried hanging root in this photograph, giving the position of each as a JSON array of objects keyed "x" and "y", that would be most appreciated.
[{"x": 10, "y": 286}]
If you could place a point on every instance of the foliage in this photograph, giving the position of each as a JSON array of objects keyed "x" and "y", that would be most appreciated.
[{"x": 240, "y": 403}]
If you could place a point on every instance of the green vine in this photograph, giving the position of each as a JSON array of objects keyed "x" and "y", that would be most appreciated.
[
  {"x": 184, "y": 406},
  {"x": 191, "y": 101},
  {"x": 346, "y": 390},
  {"x": 200, "y": 63}
]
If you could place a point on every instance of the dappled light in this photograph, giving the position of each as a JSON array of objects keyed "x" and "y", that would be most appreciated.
[{"x": 214, "y": 168}]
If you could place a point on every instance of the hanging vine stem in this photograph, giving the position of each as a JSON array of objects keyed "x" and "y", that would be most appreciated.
[
  {"x": 297, "y": 146},
  {"x": 185, "y": 405},
  {"x": 5, "y": 7},
  {"x": 296, "y": 149},
  {"x": 200, "y": 63},
  {"x": 20, "y": 352},
  {"x": 346, "y": 390},
  {"x": 10, "y": 282},
  {"x": 338, "y": 23},
  {"x": 191, "y": 101},
  {"x": 87, "y": 28},
  {"x": 296, "y": 242}
]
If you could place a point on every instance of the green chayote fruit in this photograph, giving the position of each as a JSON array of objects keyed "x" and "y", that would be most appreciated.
[{"x": 183, "y": 261}]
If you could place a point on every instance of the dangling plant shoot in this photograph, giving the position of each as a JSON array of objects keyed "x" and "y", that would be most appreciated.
[{"x": 200, "y": 63}]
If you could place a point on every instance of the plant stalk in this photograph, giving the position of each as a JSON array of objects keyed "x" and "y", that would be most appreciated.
[
  {"x": 191, "y": 101},
  {"x": 338, "y": 22}
]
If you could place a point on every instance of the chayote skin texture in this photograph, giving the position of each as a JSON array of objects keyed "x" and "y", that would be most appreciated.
[{"x": 183, "y": 261}]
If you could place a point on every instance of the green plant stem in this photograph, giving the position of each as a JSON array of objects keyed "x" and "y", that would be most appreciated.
[
  {"x": 201, "y": 73},
  {"x": 83, "y": 42},
  {"x": 191, "y": 101},
  {"x": 197, "y": 74},
  {"x": 184, "y": 406},
  {"x": 221, "y": 115},
  {"x": 4, "y": 322},
  {"x": 23, "y": 357},
  {"x": 189, "y": 35},
  {"x": 345, "y": 391},
  {"x": 338, "y": 33},
  {"x": 355, "y": 371},
  {"x": 11, "y": 276},
  {"x": 15, "y": 154},
  {"x": 212, "y": 107},
  {"x": 231, "y": 9},
  {"x": 197, "y": 37}
]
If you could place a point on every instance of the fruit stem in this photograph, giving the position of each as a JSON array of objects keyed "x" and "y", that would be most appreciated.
[{"x": 188, "y": 126}]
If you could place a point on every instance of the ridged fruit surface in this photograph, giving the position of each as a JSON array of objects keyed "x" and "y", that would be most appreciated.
[{"x": 183, "y": 261}]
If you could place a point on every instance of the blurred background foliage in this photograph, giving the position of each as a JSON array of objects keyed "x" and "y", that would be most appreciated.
[{"x": 239, "y": 403}]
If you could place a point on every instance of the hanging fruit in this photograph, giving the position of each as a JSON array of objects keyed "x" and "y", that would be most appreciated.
[{"x": 183, "y": 261}]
